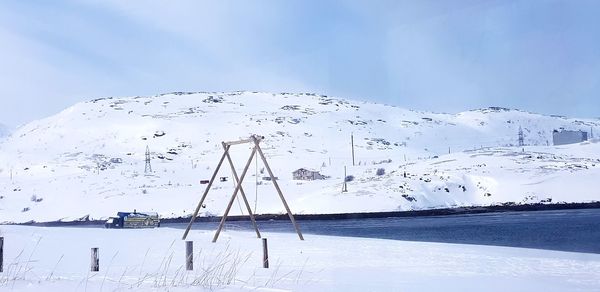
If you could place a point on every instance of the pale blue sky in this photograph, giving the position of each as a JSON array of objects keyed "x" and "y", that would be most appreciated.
[{"x": 444, "y": 56}]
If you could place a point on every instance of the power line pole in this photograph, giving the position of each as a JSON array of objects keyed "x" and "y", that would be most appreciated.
[
  {"x": 148, "y": 167},
  {"x": 344, "y": 186},
  {"x": 521, "y": 137},
  {"x": 352, "y": 141}
]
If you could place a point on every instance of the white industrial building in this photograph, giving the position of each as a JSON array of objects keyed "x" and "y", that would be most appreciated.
[{"x": 564, "y": 137}]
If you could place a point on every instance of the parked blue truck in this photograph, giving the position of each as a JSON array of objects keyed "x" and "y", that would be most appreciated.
[{"x": 133, "y": 220}]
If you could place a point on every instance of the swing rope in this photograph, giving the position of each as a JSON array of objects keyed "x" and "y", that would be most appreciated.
[
  {"x": 256, "y": 182},
  {"x": 255, "y": 187}
]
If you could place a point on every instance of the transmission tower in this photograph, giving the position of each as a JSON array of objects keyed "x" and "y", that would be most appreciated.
[
  {"x": 148, "y": 167},
  {"x": 521, "y": 137}
]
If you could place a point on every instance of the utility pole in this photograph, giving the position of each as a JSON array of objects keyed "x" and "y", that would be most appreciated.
[
  {"x": 352, "y": 141},
  {"x": 148, "y": 167},
  {"x": 344, "y": 186},
  {"x": 521, "y": 137}
]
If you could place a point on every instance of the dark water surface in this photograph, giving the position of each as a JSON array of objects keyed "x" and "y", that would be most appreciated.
[{"x": 564, "y": 230}]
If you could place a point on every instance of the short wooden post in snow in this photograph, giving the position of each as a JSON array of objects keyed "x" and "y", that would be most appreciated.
[
  {"x": 1, "y": 254},
  {"x": 95, "y": 261},
  {"x": 265, "y": 254},
  {"x": 189, "y": 255}
]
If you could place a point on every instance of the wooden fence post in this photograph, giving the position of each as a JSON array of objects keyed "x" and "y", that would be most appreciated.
[
  {"x": 189, "y": 255},
  {"x": 265, "y": 254},
  {"x": 1, "y": 254},
  {"x": 95, "y": 264}
]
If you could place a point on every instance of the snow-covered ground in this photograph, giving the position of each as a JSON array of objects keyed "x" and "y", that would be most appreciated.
[
  {"x": 89, "y": 160},
  {"x": 58, "y": 259}
]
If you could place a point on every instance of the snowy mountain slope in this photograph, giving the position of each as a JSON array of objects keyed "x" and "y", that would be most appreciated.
[{"x": 89, "y": 159}]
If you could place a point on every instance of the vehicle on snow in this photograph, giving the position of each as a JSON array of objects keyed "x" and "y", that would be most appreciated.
[{"x": 133, "y": 220}]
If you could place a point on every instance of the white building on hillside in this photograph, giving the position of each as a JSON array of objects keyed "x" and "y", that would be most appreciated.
[
  {"x": 306, "y": 174},
  {"x": 563, "y": 137}
]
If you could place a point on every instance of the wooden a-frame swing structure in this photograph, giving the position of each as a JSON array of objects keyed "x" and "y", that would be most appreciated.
[{"x": 254, "y": 139}]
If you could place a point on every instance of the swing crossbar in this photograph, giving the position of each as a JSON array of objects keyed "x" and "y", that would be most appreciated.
[{"x": 244, "y": 141}]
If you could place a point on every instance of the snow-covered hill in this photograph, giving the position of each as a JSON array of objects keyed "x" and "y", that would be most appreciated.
[{"x": 90, "y": 158}]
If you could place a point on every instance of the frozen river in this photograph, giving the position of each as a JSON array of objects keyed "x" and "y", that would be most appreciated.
[{"x": 564, "y": 230}]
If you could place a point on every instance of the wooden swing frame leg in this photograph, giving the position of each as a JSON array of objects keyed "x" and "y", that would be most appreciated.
[
  {"x": 237, "y": 180},
  {"x": 237, "y": 189},
  {"x": 212, "y": 179},
  {"x": 287, "y": 208}
]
